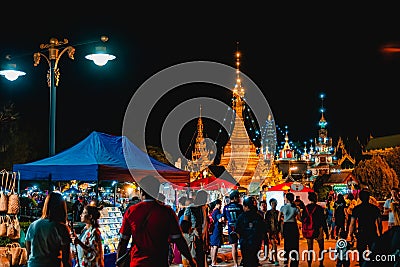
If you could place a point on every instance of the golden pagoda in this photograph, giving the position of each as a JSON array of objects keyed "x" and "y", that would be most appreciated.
[
  {"x": 200, "y": 154},
  {"x": 239, "y": 155}
]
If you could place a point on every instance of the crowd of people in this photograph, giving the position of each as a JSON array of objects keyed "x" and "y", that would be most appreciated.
[{"x": 194, "y": 231}]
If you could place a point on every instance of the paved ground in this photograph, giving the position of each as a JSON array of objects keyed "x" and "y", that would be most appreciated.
[{"x": 224, "y": 254}]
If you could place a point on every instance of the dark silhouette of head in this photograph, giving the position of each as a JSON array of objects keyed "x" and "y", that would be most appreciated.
[
  {"x": 234, "y": 195},
  {"x": 290, "y": 196},
  {"x": 55, "y": 208},
  {"x": 250, "y": 202},
  {"x": 312, "y": 196},
  {"x": 150, "y": 186},
  {"x": 340, "y": 199},
  {"x": 201, "y": 198},
  {"x": 182, "y": 200},
  {"x": 364, "y": 196},
  {"x": 94, "y": 214}
]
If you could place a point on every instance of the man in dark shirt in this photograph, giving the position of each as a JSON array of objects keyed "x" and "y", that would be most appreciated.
[
  {"x": 319, "y": 225},
  {"x": 263, "y": 212},
  {"x": 231, "y": 212},
  {"x": 251, "y": 228},
  {"x": 368, "y": 217},
  {"x": 77, "y": 208}
]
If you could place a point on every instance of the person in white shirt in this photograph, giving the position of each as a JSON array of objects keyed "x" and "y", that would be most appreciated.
[
  {"x": 291, "y": 234},
  {"x": 386, "y": 206}
]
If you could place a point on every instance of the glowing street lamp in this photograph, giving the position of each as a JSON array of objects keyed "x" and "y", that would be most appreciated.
[
  {"x": 100, "y": 58},
  {"x": 11, "y": 72}
]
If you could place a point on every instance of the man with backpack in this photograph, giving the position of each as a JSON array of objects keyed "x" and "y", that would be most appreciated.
[{"x": 313, "y": 227}]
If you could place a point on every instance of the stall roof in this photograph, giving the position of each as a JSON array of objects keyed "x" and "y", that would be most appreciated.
[
  {"x": 100, "y": 156},
  {"x": 293, "y": 186}
]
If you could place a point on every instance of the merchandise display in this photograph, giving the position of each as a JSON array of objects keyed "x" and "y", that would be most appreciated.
[
  {"x": 12, "y": 254},
  {"x": 110, "y": 222}
]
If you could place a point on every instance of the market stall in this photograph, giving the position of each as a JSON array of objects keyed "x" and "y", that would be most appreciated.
[{"x": 102, "y": 157}]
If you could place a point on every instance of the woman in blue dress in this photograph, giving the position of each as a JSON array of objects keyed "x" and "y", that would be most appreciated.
[{"x": 216, "y": 234}]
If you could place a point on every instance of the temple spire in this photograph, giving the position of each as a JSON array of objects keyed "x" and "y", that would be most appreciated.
[
  {"x": 238, "y": 90},
  {"x": 322, "y": 122},
  {"x": 200, "y": 145},
  {"x": 239, "y": 155}
]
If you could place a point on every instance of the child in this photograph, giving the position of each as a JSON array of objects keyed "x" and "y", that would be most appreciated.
[
  {"x": 342, "y": 247},
  {"x": 186, "y": 227}
]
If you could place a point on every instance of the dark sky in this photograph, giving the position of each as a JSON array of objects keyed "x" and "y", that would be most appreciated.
[{"x": 292, "y": 54}]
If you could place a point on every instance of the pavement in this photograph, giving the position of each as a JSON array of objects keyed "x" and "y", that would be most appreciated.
[{"x": 225, "y": 255}]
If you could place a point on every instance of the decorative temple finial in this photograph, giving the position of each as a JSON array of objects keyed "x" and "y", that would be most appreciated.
[
  {"x": 200, "y": 110},
  {"x": 200, "y": 127},
  {"x": 322, "y": 122},
  {"x": 239, "y": 90}
]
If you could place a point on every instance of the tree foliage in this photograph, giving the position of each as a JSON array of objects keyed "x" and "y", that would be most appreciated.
[
  {"x": 319, "y": 187},
  {"x": 393, "y": 160},
  {"x": 377, "y": 175},
  {"x": 8, "y": 125},
  {"x": 159, "y": 154},
  {"x": 15, "y": 141}
]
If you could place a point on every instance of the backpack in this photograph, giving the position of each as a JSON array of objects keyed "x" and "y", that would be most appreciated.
[{"x": 307, "y": 226}]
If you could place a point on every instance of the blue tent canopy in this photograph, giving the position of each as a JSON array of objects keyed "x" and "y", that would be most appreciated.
[{"x": 100, "y": 156}]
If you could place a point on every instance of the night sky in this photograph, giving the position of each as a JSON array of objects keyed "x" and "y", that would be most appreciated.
[{"x": 292, "y": 55}]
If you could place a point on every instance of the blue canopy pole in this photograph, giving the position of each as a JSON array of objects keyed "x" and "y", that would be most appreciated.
[
  {"x": 19, "y": 183},
  {"x": 50, "y": 187},
  {"x": 97, "y": 187}
]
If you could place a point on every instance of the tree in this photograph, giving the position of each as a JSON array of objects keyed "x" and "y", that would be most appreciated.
[
  {"x": 319, "y": 187},
  {"x": 159, "y": 154},
  {"x": 8, "y": 125},
  {"x": 377, "y": 175},
  {"x": 15, "y": 142},
  {"x": 393, "y": 160}
]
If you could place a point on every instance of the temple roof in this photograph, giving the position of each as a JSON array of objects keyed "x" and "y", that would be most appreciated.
[
  {"x": 339, "y": 178},
  {"x": 390, "y": 141}
]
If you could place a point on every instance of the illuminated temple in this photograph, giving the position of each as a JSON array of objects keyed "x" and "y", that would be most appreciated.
[
  {"x": 200, "y": 154},
  {"x": 239, "y": 156}
]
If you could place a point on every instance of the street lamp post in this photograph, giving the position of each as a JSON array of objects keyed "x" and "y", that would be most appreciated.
[
  {"x": 53, "y": 77},
  {"x": 100, "y": 58}
]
